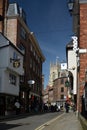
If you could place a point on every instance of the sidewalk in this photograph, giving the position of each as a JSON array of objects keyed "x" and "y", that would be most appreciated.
[{"x": 67, "y": 121}]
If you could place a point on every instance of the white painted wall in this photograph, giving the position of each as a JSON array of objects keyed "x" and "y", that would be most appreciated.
[
  {"x": 72, "y": 62},
  {"x": 5, "y": 54},
  {"x": 6, "y": 67},
  {"x": 6, "y": 87}
]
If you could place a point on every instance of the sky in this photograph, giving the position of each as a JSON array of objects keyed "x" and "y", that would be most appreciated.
[{"x": 52, "y": 26}]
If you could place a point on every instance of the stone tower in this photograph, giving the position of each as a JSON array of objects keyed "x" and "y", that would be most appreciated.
[{"x": 54, "y": 72}]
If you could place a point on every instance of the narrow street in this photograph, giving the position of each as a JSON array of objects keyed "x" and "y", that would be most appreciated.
[
  {"x": 28, "y": 122},
  {"x": 66, "y": 121},
  {"x": 47, "y": 121}
]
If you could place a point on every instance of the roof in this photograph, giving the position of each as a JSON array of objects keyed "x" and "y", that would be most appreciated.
[
  {"x": 5, "y": 42},
  {"x": 12, "y": 10}
]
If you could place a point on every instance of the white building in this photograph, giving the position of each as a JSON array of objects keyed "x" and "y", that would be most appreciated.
[
  {"x": 72, "y": 68},
  {"x": 11, "y": 67}
]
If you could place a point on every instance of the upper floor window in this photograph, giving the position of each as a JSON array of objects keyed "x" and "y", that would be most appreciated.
[
  {"x": 23, "y": 33},
  {"x": 62, "y": 89},
  {"x": 12, "y": 79},
  {"x": 22, "y": 48},
  {"x": 62, "y": 80}
]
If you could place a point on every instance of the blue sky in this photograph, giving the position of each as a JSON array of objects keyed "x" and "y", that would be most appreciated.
[{"x": 52, "y": 25}]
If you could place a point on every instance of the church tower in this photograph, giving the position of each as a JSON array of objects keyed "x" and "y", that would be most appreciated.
[{"x": 54, "y": 72}]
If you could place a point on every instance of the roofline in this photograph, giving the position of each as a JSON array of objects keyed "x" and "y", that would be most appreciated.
[{"x": 10, "y": 43}]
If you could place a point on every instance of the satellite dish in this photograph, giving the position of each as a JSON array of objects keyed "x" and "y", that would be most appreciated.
[{"x": 31, "y": 82}]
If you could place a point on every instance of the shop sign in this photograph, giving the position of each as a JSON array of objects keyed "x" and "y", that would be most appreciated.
[{"x": 16, "y": 64}]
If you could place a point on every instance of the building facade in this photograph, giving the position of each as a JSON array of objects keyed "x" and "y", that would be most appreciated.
[
  {"x": 11, "y": 67},
  {"x": 79, "y": 28},
  {"x": 16, "y": 30},
  {"x": 54, "y": 72},
  {"x": 60, "y": 92}
]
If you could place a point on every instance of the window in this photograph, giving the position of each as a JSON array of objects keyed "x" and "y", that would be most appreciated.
[
  {"x": 62, "y": 96},
  {"x": 23, "y": 33},
  {"x": 21, "y": 79},
  {"x": 12, "y": 79},
  {"x": 62, "y": 80},
  {"x": 62, "y": 89},
  {"x": 53, "y": 75},
  {"x": 15, "y": 56},
  {"x": 31, "y": 63},
  {"x": 21, "y": 47}
]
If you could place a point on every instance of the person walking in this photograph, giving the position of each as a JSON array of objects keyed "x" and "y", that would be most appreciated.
[
  {"x": 67, "y": 106},
  {"x": 17, "y": 106}
]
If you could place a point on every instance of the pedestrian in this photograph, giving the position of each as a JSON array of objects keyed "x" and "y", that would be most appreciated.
[
  {"x": 17, "y": 106},
  {"x": 67, "y": 106}
]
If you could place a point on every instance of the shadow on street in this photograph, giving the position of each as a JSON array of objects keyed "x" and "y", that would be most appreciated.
[{"x": 4, "y": 126}]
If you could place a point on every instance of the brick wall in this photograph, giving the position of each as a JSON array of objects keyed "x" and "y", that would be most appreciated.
[{"x": 82, "y": 45}]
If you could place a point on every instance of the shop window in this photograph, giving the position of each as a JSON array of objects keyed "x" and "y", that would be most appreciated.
[{"x": 10, "y": 103}]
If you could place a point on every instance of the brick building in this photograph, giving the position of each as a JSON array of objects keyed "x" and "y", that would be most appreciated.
[
  {"x": 60, "y": 92},
  {"x": 15, "y": 28},
  {"x": 83, "y": 55},
  {"x": 79, "y": 28}
]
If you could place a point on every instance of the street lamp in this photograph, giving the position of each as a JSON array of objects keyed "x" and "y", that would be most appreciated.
[
  {"x": 70, "y": 5},
  {"x": 73, "y": 7},
  {"x": 30, "y": 82}
]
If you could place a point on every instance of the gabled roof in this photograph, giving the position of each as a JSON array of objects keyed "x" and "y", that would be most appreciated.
[{"x": 6, "y": 42}]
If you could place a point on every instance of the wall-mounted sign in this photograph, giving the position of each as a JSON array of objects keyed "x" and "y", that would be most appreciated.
[
  {"x": 75, "y": 43},
  {"x": 16, "y": 64}
]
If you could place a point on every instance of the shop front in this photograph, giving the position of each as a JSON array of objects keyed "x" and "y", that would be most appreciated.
[{"x": 7, "y": 105}]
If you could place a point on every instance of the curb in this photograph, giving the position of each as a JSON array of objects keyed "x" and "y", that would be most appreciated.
[{"x": 83, "y": 122}]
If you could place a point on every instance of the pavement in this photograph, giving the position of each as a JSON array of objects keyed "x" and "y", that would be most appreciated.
[{"x": 66, "y": 121}]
